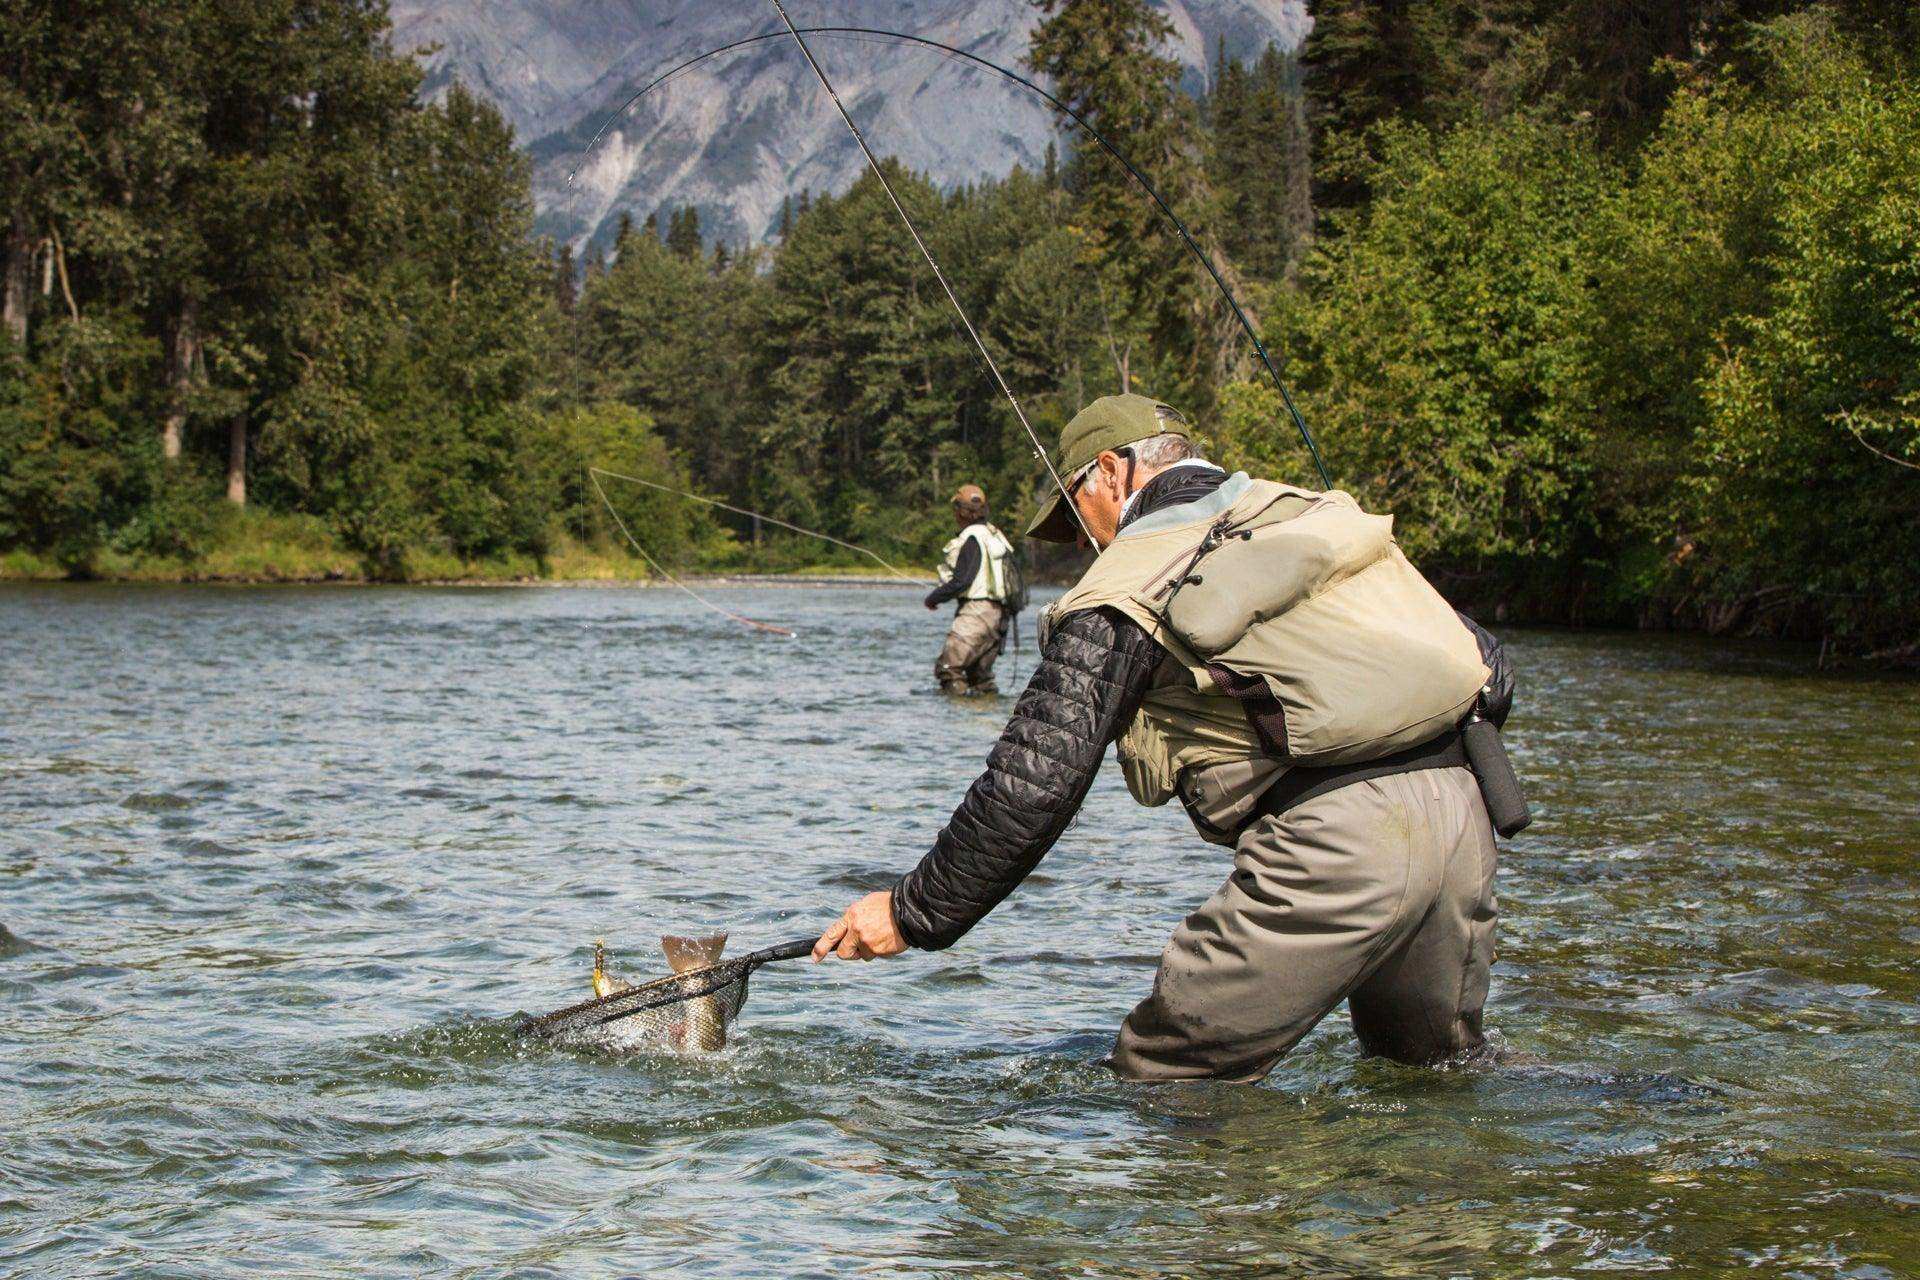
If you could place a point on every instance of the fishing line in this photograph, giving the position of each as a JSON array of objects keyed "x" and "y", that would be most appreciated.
[
  {"x": 952, "y": 53},
  {"x": 662, "y": 570},
  {"x": 1039, "y": 450},
  {"x": 713, "y": 502}
]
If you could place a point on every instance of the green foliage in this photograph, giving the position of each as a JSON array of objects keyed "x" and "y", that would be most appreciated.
[
  {"x": 1258, "y": 163},
  {"x": 668, "y": 333},
  {"x": 74, "y": 466},
  {"x": 1106, "y": 62},
  {"x": 1681, "y": 390},
  {"x": 617, "y": 438},
  {"x": 1764, "y": 334},
  {"x": 1615, "y": 304},
  {"x": 1438, "y": 343},
  {"x": 859, "y": 349}
]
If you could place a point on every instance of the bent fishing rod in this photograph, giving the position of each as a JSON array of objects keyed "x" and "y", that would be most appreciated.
[
  {"x": 940, "y": 277},
  {"x": 902, "y": 37}
]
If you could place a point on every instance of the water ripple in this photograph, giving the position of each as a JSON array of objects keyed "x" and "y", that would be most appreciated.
[{"x": 266, "y": 927}]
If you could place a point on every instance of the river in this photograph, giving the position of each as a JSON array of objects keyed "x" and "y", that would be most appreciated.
[{"x": 280, "y": 867}]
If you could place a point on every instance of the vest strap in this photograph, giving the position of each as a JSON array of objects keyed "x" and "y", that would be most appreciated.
[{"x": 1297, "y": 786}]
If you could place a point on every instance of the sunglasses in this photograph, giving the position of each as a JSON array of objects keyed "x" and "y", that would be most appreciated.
[{"x": 1079, "y": 477}]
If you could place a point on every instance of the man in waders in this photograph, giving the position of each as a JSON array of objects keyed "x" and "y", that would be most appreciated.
[
  {"x": 974, "y": 572},
  {"x": 1267, "y": 656}
]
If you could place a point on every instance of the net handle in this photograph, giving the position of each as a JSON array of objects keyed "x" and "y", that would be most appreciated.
[{"x": 785, "y": 951}]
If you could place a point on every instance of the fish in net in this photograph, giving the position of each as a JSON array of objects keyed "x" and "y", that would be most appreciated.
[{"x": 688, "y": 1010}]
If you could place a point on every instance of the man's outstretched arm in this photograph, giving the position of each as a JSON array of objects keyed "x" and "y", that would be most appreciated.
[{"x": 1092, "y": 674}]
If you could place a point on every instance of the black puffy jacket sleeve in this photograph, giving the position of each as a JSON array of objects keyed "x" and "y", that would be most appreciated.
[{"x": 1095, "y": 668}]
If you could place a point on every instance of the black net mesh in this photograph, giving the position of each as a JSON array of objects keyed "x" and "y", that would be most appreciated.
[{"x": 685, "y": 1011}]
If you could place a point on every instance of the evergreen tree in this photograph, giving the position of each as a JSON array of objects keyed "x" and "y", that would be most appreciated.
[
  {"x": 859, "y": 352},
  {"x": 1105, "y": 59},
  {"x": 683, "y": 233},
  {"x": 566, "y": 281},
  {"x": 1253, "y": 162}
]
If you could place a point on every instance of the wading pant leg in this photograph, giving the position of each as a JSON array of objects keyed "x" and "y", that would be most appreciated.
[
  {"x": 980, "y": 673},
  {"x": 1388, "y": 878},
  {"x": 1409, "y": 1008},
  {"x": 973, "y": 638}
]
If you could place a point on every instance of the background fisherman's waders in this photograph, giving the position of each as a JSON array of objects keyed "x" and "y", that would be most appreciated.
[
  {"x": 965, "y": 664},
  {"x": 1379, "y": 893}
]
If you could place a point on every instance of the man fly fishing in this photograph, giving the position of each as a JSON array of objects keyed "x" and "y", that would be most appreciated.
[
  {"x": 1266, "y": 655},
  {"x": 976, "y": 569}
]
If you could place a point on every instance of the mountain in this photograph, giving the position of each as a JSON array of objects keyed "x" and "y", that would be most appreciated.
[{"x": 737, "y": 134}]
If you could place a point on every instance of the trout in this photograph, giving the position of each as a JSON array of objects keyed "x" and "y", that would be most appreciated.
[
  {"x": 704, "y": 1025},
  {"x": 701, "y": 1023}
]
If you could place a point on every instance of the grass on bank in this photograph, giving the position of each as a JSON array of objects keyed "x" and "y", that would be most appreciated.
[{"x": 254, "y": 546}]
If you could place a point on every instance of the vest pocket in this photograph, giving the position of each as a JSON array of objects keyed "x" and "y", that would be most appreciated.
[
  {"x": 1277, "y": 562},
  {"x": 1374, "y": 664}
]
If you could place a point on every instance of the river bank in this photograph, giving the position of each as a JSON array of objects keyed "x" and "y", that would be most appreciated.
[
  {"x": 576, "y": 564},
  {"x": 269, "y": 550}
]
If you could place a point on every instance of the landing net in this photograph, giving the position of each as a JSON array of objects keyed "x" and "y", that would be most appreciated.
[{"x": 683, "y": 1010}]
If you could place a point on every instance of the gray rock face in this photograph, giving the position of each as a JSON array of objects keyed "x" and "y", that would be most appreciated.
[{"x": 737, "y": 134}]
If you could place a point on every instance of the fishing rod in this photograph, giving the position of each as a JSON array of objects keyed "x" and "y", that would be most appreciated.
[
  {"x": 742, "y": 511},
  {"x": 873, "y": 163},
  {"x": 662, "y": 569},
  {"x": 903, "y": 37}
]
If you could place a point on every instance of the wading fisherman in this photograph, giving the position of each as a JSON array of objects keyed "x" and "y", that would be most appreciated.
[
  {"x": 973, "y": 571},
  {"x": 1268, "y": 657}
]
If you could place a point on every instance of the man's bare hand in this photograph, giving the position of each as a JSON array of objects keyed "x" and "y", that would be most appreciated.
[{"x": 865, "y": 932}]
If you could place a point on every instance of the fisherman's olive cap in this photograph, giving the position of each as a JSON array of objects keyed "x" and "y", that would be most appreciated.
[{"x": 1111, "y": 422}]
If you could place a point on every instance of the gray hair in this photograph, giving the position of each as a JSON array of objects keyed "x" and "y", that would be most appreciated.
[{"x": 1164, "y": 450}]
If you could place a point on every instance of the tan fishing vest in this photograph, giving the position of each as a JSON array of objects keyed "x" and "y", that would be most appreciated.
[
  {"x": 991, "y": 582},
  {"x": 1297, "y": 634}
]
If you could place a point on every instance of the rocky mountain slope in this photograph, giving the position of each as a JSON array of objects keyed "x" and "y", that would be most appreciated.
[{"x": 737, "y": 134}]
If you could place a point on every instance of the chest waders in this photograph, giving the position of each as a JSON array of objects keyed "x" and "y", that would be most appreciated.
[{"x": 1308, "y": 715}]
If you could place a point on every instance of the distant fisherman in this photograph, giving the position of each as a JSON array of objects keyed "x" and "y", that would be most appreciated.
[
  {"x": 1266, "y": 655},
  {"x": 975, "y": 572}
]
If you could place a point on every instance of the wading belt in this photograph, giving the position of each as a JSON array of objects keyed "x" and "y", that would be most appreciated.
[{"x": 1297, "y": 786}]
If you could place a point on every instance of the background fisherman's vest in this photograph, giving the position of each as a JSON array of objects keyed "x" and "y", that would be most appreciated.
[
  {"x": 1298, "y": 634},
  {"x": 991, "y": 582}
]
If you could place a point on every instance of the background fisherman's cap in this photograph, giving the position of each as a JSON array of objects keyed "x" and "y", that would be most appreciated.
[{"x": 1111, "y": 422}]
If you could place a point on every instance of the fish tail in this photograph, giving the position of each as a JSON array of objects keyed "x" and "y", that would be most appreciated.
[{"x": 687, "y": 954}]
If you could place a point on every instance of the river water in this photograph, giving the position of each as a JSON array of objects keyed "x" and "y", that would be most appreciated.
[{"x": 280, "y": 867}]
